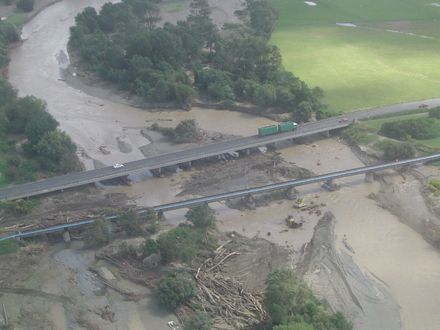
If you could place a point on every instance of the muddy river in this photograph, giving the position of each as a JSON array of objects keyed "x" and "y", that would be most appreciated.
[{"x": 383, "y": 246}]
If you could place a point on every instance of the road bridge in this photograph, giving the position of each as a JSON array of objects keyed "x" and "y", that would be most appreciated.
[
  {"x": 187, "y": 155},
  {"x": 235, "y": 194}
]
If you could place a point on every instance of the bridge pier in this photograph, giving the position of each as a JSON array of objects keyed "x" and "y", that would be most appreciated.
[
  {"x": 66, "y": 237},
  {"x": 326, "y": 134},
  {"x": 369, "y": 177},
  {"x": 330, "y": 185}
]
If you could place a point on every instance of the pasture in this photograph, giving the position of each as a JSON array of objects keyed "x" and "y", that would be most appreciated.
[{"x": 385, "y": 52}]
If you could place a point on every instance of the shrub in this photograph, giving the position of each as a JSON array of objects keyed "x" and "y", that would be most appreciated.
[
  {"x": 200, "y": 321},
  {"x": 152, "y": 220},
  {"x": 294, "y": 326},
  {"x": 97, "y": 234},
  {"x": 288, "y": 300},
  {"x": 201, "y": 216},
  {"x": 25, "y": 5},
  {"x": 130, "y": 223},
  {"x": 19, "y": 206},
  {"x": 183, "y": 243},
  {"x": 176, "y": 289},
  {"x": 9, "y": 246},
  {"x": 186, "y": 131},
  {"x": 420, "y": 129},
  {"x": 127, "y": 251},
  {"x": 395, "y": 150},
  {"x": 435, "y": 113},
  {"x": 150, "y": 247}
]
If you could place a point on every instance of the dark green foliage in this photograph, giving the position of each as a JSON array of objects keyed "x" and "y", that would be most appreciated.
[
  {"x": 397, "y": 150},
  {"x": 185, "y": 132},
  {"x": 201, "y": 216},
  {"x": 419, "y": 128},
  {"x": 9, "y": 246},
  {"x": 20, "y": 112},
  {"x": 40, "y": 123},
  {"x": 295, "y": 326},
  {"x": 150, "y": 247},
  {"x": 288, "y": 300},
  {"x": 152, "y": 220},
  {"x": 7, "y": 92},
  {"x": 176, "y": 289},
  {"x": 200, "y": 321},
  {"x": 126, "y": 250},
  {"x": 19, "y": 206},
  {"x": 131, "y": 223},
  {"x": 56, "y": 152},
  {"x": 183, "y": 243},
  {"x": 8, "y": 33},
  {"x": 434, "y": 113},
  {"x": 97, "y": 234},
  {"x": 123, "y": 44},
  {"x": 25, "y": 5}
]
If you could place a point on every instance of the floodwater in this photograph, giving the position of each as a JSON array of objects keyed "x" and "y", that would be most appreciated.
[
  {"x": 383, "y": 245},
  {"x": 36, "y": 68}
]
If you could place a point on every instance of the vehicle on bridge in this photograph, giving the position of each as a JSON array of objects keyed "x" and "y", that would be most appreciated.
[{"x": 287, "y": 126}]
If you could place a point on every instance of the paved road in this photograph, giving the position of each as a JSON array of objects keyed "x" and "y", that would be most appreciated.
[
  {"x": 234, "y": 194},
  {"x": 82, "y": 178}
]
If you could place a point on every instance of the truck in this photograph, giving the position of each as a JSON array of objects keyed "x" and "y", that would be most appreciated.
[{"x": 283, "y": 127}]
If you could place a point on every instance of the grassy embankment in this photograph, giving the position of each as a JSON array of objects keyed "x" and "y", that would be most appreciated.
[{"x": 363, "y": 66}]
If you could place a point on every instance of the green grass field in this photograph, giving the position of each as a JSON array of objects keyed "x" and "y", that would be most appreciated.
[
  {"x": 17, "y": 19},
  {"x": 375, "y": 125},
  {"x": 363, "y": 66}
]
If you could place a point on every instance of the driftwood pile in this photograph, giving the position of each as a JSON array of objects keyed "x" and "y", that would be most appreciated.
[{"x": 226, "y": 297}]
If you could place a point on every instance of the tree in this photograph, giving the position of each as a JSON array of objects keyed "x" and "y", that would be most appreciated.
[
  {"x": 53, "y": 148},
  {"x": 39, "y": 125},
  {"x": 262, "y": 17},
  {"x": 295, "y": 326},
  {"x": 176, "y": 289},
  {"x": 130, "y": 223},
  {"x": 200, "y": 321},
  {"x": 8, "y": 33},
  {"x": 7, "y": 92},
  {"x": 25, "y": 5},
  {"x": 19, "y": 113},
  {"x": 288, "y": 300},
  {"x": 150, "y": 247},
  {"x": 186, "y": 131},
  {"x": 201, "y": 216},
  {"x": 97, "y": 234},
  {"x": 396, "y": 150}
]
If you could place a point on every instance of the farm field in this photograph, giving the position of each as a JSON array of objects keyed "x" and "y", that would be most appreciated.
[{"x": 386, "y": 52}]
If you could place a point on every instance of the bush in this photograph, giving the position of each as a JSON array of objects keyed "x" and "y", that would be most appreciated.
[
  {"x": 395, "y": 150},
  {"x": 200, "y": 321},
  {"x": 201, "y": 216},
  {"x": 435, "y": 113},
  {"x": 150, "y": 247},
  {"x": 9, "y": 246},
  {"x": 19, "y": 206},
  {"x": 420, "y": 129},
  {"x": 288, "y": 300},
  {"x": 152, "y": 220},
  {"x": 97, "y": 234},
  {"x": 25, "y": 5},
  {"x": 186, "y": 131},
  {"x": 126, "y": 250},
  {"x": 183, "y": 243},
  {"x": 176, "y": 289},
  {"x": 294, "y": 326},
  {"x": 130, "y": 223}
]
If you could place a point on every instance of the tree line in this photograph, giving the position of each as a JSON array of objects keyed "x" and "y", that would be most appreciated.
[
  {"x": 124, "y": 44},
  {"x": 30, "y": 142}
]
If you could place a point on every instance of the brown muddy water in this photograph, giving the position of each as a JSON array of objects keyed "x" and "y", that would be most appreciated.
[
  {"x": 383, "y": 246},
  {"x": 36, "y": 68}
]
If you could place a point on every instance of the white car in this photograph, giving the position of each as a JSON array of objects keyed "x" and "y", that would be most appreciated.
[{"x": 118, "y": 165}]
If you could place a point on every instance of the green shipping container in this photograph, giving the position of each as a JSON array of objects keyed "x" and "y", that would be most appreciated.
[
  {"x": 286, "y": 126},
  {"x": 268, "y": 130}
]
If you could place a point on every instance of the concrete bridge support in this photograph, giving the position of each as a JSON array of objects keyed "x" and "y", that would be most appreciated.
[
  {"x": 66, "y": 237},
  {"x": 330, "y": 185},
  {"x": 369, "y": 177}
]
